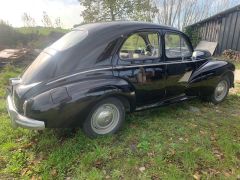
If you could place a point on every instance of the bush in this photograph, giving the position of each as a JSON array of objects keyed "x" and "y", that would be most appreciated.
[
  {"x": 28, "y": 37},
  {"x": 193, "y": 34}
]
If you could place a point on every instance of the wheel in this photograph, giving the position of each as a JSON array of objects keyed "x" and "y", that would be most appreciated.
[
  {"x": 220, "y": 92},
  {"x": 105, "y": 118}
]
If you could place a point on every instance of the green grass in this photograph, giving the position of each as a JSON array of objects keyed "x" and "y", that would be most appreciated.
[
  {"x": 168, "y": 143},
  {"x": 237, "y": 65}
]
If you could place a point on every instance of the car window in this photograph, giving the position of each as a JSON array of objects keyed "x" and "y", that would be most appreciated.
[
  {"x": 143, "y": 45},
  {"x": 176, "y": 46},
  {"x": 69, "y": 40}
]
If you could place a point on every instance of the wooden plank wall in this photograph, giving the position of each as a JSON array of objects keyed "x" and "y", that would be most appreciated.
[{"x": 225, "y": 30}]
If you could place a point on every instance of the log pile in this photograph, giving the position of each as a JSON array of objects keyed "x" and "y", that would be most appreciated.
[{"x": 232, "y": 55}]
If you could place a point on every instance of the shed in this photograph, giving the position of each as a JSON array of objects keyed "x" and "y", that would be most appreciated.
[{"x": 223, "y": 28}]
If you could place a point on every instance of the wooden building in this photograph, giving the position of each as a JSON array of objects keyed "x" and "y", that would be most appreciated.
[{"x": 223, "y": 28}]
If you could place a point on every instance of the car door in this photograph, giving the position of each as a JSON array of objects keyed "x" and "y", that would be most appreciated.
[
  {"x": 179, "y": 65},
  {"x": 140, "y": 63}
]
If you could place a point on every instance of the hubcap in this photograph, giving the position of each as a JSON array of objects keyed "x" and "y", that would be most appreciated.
[
  {"x": 105, "y": 118},
  {"x": 221, "y": 90}
]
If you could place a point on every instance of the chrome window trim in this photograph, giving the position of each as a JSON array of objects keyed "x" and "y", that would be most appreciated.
[
  {"x": 156, "y": 64},
  {"x": 181, "y": 36},
  {"x": 142, "y": 59}
]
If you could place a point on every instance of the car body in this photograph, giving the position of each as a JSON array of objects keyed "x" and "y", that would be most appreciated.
[{"x": 136, "y": 65}]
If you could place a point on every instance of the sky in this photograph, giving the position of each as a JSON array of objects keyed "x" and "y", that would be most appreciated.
[{"x": 69, "y": 11}]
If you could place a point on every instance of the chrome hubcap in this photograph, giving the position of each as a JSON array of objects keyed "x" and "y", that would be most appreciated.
[
  {"x": 221, "y": 90},
  {"x": 105, "y": 118}
]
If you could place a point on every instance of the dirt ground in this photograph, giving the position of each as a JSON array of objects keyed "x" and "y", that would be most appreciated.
[{"x": 237, "y": 76}]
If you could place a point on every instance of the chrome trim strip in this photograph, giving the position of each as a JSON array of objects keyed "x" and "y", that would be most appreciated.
[
  {"x": 157, "y": 64},
  {"x": 65, "y": 77},
  {"x": 14, "y": 81},
  {"x": 19, "y": 120},
  {"x": 121, "y": 67}
]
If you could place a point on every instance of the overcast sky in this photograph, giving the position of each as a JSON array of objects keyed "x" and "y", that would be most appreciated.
[{"x": 68, "y": 10}]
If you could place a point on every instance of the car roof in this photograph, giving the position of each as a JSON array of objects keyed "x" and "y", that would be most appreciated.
[
  {"x": 122, "y": 25},
  {"x": 93, "y": 50}
]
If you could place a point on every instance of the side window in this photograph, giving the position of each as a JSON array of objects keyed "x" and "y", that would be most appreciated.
[
  {"x": 176, "y": 46},
  {"x": 142, "y": 45}
]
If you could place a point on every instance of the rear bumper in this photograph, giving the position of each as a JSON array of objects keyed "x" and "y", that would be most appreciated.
[{"x": 19, "y": 120}]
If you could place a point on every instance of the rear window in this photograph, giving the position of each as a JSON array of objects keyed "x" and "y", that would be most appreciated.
[
  {"x": 69, "y": 40},
  {"x": 41, "y": 69}
]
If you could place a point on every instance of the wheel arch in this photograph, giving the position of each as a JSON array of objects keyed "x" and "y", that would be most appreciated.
[
  {"x": 128, "y": 103},
  {"x": 229, "y": 74}
]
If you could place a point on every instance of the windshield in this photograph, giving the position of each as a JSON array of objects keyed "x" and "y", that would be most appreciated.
[{"x": 69, "y": 40}]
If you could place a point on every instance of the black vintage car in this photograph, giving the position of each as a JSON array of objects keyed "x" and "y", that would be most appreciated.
[{"x": 97, "y": 72}]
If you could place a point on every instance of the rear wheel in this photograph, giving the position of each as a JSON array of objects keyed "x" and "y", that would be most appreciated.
[
  {"x": 220, "y": 92},
  {"x": 105, "y": 118}
]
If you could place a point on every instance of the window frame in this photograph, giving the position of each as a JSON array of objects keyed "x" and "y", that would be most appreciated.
[
  {"x": 142, "y": 59},
  {"x": 189, "y": 45}
]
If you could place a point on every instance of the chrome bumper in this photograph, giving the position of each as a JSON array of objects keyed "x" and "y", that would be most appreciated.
[{"x": 19, "y": 120}]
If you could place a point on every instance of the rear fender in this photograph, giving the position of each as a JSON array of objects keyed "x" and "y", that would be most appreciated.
[{"x": 80, "y": 98}]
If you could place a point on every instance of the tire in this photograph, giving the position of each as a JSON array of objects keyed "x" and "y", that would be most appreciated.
[
  {"x": 220, "y": 92},
  {"x": 105, "y": 118}
]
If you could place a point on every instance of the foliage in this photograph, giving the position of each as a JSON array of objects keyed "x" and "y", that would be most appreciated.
[
  {"x": 193, "y": 34},
  {"x": 46, "y": 20},
  {"x": 9, "y": 36},
  {"x": 168, "y": 143},
  {"x": 43, "y": 31},
  {"x": 28, "y": 20},
  {"x": 32, "y": 37},
  {"x": 111, "y": 10},
  {"x": 181, "y": 13},
  {"x": 58, "y": 22},
  {"x": 176, "y": 13}
]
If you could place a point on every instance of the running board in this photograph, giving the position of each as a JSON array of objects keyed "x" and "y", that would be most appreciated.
[{"x": 166, "y": 102}]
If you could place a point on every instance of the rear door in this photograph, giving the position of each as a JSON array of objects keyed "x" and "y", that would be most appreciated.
[
  {"x": 140, "y": 62},
  {"x": 179, "y": 65}
]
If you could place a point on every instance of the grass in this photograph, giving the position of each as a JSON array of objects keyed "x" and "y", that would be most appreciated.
[
  {"x": 237, "y": 65},
  {"x": 164, "y": 143}
]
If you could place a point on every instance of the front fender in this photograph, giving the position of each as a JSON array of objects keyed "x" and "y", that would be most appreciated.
[{"x": 205, "y": 78}]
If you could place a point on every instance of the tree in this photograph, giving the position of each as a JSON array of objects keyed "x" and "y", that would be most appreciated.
[
  {"x": 28, "y": 21},
  {"x": 46, "y": 20},
  {"x": 180, "y": 13},
  {"x": 111, "y": 10},
  {"x": 58, "y": 22},
  {"x": 144, "y": 10}
]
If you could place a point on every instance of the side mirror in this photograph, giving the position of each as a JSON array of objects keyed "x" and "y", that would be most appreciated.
[{"x": 201, "y": 54}]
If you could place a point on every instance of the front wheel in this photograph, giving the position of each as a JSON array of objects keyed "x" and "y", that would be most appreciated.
[
  {"x": 106, "y": 117},
  {"x": 221, "y": 91}
]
